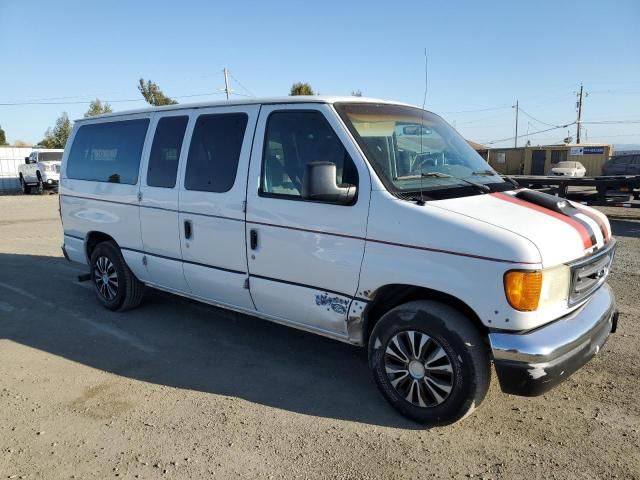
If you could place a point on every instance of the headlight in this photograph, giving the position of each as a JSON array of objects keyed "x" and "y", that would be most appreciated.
[{"x": 528, "y": 290}]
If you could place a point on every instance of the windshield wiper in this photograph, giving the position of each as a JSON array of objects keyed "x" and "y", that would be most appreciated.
[
  {"x": 479, "y": 186},
  {"x": 491, "y": 173}
]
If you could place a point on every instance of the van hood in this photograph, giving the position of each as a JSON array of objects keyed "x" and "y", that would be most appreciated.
[{"x": 561, "y": 230}]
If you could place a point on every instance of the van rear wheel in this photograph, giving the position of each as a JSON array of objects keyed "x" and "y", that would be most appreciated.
[
  {"x": 429, "y": 362},
  {"x": 115, "y": 285}
]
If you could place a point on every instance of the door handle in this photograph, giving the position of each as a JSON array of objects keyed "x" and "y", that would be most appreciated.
[
  {"x": 188, "y": 229},
  {"x": 253, "y": 236}
]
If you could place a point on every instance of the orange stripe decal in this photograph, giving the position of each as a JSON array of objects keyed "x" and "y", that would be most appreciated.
[{"x": 582, "y": 231}]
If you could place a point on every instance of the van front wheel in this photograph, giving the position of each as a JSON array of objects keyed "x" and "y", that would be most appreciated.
[
  {"x": 430, "y": 362},
  {"x": 115, "y": 285}
]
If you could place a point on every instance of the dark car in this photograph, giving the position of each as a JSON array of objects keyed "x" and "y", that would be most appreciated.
[{"x": 622, "y": 165}]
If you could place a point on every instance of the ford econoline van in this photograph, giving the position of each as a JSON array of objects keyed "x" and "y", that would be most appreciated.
[{"x": 366, "y": 221}]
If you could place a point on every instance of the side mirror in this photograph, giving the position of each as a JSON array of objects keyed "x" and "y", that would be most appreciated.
[
  {"x": 27, "y": 160},
  {"x": 319, "y": 184}
]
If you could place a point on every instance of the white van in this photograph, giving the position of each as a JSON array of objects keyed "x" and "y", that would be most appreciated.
[{"x": 366, "y": 221}]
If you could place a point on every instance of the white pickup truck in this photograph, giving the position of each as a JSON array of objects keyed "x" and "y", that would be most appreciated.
[{"x": 41, "y": 170}]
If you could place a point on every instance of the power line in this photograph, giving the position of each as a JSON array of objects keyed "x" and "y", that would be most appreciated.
[
  {"x": 613, "y": 122},
  {"x": 489, "y": 109},
  {"x": 251, "y": 94},
  {"x": 535, "y": 119},
  {"x": 529, "y": 134},
  {"x": 86, "y": 102}
]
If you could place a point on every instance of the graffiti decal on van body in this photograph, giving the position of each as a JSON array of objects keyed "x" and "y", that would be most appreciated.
[{"x": 337, "y": 304}]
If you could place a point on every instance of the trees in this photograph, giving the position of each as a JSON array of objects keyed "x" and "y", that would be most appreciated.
[
  {"x": 153, "y": 95},
  {"x": 57, "y": 137},
  {"x": 3, "y": 137},
  {"x": 96, "y": 107},
  {"x": 301, "y": 88},
  {"x": 21, "y": 143}
]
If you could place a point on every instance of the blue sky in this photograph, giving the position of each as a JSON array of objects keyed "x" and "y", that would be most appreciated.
[{"x": 482, "y": 57}]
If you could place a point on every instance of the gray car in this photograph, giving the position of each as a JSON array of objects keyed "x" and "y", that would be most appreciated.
[{"x": 622, "y": 165}]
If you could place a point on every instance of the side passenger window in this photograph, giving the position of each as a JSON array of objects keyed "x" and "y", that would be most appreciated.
[
  {"x": 165, "y": 152},
  {"x": 293, "y": 139},
  {"x": 215, "y": 151},
  {"x": 108, "y": 151}
]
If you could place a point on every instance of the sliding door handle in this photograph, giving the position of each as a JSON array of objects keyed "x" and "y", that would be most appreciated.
[
  {"x": 188, "y": 229},
  {"x": 253, "y": 236}
]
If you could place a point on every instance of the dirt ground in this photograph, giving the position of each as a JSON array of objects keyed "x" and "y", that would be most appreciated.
[{"x": 179, "y": 390}]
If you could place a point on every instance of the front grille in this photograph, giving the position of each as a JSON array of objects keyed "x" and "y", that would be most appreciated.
[{"x": 588, "y": 274}]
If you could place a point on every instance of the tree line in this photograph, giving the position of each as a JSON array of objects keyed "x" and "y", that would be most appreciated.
[{"x": 56, "y": 136}]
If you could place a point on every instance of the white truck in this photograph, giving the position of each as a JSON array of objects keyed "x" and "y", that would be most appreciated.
[{"x": 41, "y": 170}]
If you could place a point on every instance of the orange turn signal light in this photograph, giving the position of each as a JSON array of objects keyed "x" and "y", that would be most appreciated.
[{"x": 522, "y": 289}]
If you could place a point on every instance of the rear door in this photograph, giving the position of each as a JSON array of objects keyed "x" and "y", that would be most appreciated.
[
  {"x": 212, "y": 200},
  {"x": 304, "y": 257},
  {"x": 159, "y": 194}
]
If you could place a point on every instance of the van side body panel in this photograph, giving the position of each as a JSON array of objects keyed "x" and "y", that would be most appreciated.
[
  {"x": 109, "y": 208},
  {"x": 447, "y": 252}
]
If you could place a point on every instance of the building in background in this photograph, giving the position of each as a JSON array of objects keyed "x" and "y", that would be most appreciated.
[
  {"x": 10, "y": 159},
  {"x": 538, "y": 160}
]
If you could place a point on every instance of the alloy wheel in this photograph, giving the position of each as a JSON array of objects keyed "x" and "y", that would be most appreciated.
[
  {"x": 105, "y": 277},
  {"x": 419, "y": 368}
]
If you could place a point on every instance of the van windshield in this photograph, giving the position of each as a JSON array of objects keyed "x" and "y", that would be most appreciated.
[{"x": 414, "y": 150}]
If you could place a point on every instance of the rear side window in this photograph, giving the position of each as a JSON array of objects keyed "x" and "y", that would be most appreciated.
[
  {"x": 108, "y": 152},
  {"x": 165, "y": 152},
  {"x": 215, "y": 151}
]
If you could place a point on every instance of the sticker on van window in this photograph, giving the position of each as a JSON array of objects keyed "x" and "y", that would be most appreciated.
[{"x": 337, "y": 304}]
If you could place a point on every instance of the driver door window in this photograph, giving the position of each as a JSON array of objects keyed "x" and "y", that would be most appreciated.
[{"x": 293, "y": 139}]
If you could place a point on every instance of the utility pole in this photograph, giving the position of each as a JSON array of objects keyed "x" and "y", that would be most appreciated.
[
  {"x": 226, "y": 83},
  {"x": 515, "y": 143},
  {"x": 578, "y": 125}
]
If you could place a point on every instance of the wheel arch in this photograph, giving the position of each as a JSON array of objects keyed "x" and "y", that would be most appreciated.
[
  {"x": 390, "y": 296},
  {"x": 92, "y": 240}
]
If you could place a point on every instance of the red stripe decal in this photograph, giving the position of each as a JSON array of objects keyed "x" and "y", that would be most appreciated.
[
  {"x": 597, "y": 218},
  {"x": 584, "y": 233}
]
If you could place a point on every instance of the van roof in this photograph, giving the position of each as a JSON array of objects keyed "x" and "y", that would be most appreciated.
[{"x": 248, "y": 101}]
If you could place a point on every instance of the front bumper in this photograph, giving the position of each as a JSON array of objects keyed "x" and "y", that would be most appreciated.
[{"x": 532, "y": 363}]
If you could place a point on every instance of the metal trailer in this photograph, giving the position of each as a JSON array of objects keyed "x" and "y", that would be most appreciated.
[{"x": 606, "y": 186}]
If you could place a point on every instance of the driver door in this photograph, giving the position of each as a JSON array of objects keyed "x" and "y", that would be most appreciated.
[{"x": 304, "y": 257}]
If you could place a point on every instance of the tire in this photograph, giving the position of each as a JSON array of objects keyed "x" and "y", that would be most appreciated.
[
  {"x": 26, "y": 189},
  {"x": 442, "y": 389},
  {"x": 40, "y": 185},
  {"x": 115, "y": 285}
]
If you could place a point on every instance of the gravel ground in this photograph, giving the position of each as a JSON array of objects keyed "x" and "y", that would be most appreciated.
[{"x": 180, "y": 390}]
